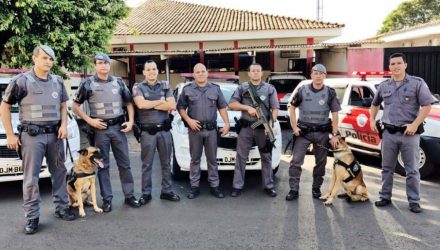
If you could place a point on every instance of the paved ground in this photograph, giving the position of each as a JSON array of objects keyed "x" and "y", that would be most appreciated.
[{"x": 252, "y": 221}]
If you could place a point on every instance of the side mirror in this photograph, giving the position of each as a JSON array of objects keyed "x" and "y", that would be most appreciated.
[{"x": 366, "y": 102}]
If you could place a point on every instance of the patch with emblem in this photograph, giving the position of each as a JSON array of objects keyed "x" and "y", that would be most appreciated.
[
  {"x": 263, "y": 97},
  {"x": 361, "y": 120},
  {"x": 321, "y": 102},
  {"x": 54, "y": 95},
  {"x": 407, "y": 98},
  {"x": 114, "y": 91}
]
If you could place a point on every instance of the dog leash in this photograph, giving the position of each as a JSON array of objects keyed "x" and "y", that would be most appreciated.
[{"x": 69, "y": 150}]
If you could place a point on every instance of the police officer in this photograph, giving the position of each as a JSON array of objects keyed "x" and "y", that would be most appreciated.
[
  {"x": 407, "y": 102},
  {"x": 106, "y": 96},
  {"x": 314, "y": 102},
  {"x": 241, "y": 101},
  {"x": 197, "y": 105},
  {"x": 43, "y": 116},
  {"x": 154, "y": 99}
]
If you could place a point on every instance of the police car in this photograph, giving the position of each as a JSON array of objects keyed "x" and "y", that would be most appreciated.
[
  {"x": 355, "y": 96},
  {"x": 10, "y": 162},
  {"x": 284, "y": 83},
  {"x": 227, "y": 145}
]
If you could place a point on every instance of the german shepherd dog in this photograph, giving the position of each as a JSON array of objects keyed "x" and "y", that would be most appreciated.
[
  {"x": 81, "y": 182},
  {"x": 346, "y": 172}
]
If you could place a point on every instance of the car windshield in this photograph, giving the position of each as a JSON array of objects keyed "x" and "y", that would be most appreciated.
[
  {"x": 228, "y": 90},
  {"x": 285, "y": 85},
  {"x": 14, "y": 108}
]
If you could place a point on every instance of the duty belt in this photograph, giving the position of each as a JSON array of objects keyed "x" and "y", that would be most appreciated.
[
  {"x": 38, "y": 129},
  {"x": 394, "y": 129},
  {"x": 208, "y": 125},
  {"x": 113, "y": 121},
  {"x": 308, "y": 127}
]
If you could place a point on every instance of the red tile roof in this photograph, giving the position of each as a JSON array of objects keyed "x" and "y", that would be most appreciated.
[{"x": 174, "y": 17}]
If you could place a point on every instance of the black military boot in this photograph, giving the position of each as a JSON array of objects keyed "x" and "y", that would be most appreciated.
[
  {"x": 316, "y": 193},
  {"x": 65, "y": 214},
  {"x": 31, "y": 226}
]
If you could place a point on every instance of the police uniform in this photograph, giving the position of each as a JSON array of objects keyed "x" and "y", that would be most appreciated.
[
  {"x": 202, "y": 104},
  {"x": 106, "y": 99},
  {"x": 39, "y": 102},
  {"x": 247, "y": 135},
  {"x": 314, "y": 107},
  {"x": 155, "y": 125},
  {"x": 401, "y": 106}
]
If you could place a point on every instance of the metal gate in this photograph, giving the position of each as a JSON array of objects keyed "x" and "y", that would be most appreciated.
[{"x": 423, "y": 62}]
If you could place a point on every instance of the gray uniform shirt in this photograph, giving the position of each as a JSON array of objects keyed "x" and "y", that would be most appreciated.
[
  {"x": 402, "y": 103},
  {"x": 17, "y": 90},
  {"x": 158, "y": 91},
  {"x": 202, "y": 102},
  {"x": 265, "y": 91}
]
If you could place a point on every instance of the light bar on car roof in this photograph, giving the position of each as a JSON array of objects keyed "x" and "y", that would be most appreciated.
[{"x": 372, "y": 73}]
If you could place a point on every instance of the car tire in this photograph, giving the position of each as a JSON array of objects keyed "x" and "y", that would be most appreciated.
[
  {"x": 427, "y": 167},
  {"x": 176, "y": 173}
]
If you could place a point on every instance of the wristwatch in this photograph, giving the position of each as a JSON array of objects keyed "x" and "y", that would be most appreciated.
[{"x": 336, "y": 134}]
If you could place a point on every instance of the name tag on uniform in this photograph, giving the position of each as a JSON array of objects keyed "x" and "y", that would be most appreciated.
[
  {"x": 37, "y": 92},
  {"x": 36, "y": 107}
]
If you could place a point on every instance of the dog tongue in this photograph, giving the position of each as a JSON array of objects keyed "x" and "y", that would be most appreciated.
[{"x": 99, "y": 163}]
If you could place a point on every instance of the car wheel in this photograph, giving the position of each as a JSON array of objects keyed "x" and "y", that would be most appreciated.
[
  {"x": 275, "y": 170},
  {"x": 175, "y": 169},
  {"x": 426, "y": 166}
]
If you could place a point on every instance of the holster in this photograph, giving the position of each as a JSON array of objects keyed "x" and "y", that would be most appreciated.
[
  {"x": 267, "y": 147},
  {"x": 137, "y": 132},
  {"x": 380, "y": 128},
  {"x": 237, "y": 125}
]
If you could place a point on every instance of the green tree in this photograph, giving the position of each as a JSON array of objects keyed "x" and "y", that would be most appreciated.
[
  {"x": 411, "y": 13},
  {"x": 75, "y": 29}
]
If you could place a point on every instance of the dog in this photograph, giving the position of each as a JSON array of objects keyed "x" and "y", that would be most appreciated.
[
  {"x": 346, "y": 172},
  {"x": 81, "y": 182}
]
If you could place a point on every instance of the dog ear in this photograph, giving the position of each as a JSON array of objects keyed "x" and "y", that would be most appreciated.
[{"x": 83, "y": 152}]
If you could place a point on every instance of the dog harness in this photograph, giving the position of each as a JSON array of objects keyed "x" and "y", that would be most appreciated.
[
  {"x": 74, "y": 176},
  {"x": 353, "y": 169}
]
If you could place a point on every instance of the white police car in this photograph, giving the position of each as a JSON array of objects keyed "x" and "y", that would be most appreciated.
[
  {"x": 355, "y": 96},
  {"x": 10, "y": 163},
  {"x": 227, "y": 145}
]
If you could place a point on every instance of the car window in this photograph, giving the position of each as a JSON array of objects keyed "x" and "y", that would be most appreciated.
[
  {"x": 285, "y": 85},
  {"x": 361, "y": 96},
  {"x": 340, "y": 94},
  {"x": 14, "y": 108}
]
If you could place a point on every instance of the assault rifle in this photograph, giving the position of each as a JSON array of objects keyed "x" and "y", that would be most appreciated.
[{"x": 258, "y": 104}]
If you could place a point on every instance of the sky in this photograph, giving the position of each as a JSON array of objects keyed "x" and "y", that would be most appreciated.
[{"x": 362, "y": 18}]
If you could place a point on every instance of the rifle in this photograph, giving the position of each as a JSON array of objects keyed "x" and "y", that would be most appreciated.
[{"x": 259, "y": 105}]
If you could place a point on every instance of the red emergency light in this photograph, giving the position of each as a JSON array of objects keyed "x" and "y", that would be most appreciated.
[
  {"x": 372, "y": 73},
  {"x": 364, "y": 74}
]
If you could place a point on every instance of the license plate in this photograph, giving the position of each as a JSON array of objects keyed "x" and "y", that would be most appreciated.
[
  {"x": 228, "y": 159},
  {"x": 11, "y": 168}
]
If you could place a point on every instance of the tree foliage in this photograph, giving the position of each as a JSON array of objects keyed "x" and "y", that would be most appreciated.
[
  {"x": 411, "y": 13},
  {"x": 75, "y": 29}
]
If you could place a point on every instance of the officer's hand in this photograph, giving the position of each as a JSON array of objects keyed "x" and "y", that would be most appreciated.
[
  {"x": 334, "y": 141},
  {"x": 373, "y": 126},
  {"x": 98, "y": 123},
  {"x": 126, "y": 127},
  {"x": 62, "y": 132},
  {"x": 194, "y": 124},
  {"x": 296, "y": 131},
  {"x": 225, "y": 129},
  {"x": 252, "y": 111},
  {"x": 13, "y": 142},
  {"x": 410, "y": 129}
]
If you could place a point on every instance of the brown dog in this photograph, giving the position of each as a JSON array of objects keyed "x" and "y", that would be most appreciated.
[
  {"x": 81, "y": 182},
  {"x": 348, "y": 172}
]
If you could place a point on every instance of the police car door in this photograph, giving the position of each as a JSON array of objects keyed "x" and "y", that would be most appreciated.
[{"x": 356, "y": 122}]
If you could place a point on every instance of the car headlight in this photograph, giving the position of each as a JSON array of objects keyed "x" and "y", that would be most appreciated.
[{"x": 180, "y": 127}]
